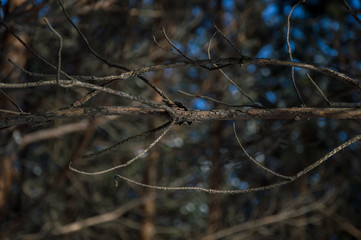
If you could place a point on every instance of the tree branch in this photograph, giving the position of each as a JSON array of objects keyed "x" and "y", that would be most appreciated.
[{"x": 183, "y": 115}]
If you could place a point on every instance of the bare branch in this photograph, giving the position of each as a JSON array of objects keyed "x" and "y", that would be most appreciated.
[
  {"x": 59, "y": 51},
  {"x": 115, "y": 146},
  {"x": 333, "y": 104},
  {"x": 220, "y": 61},
  {"x": 319, "y": 90},
  {"x": 182, "y": 115},
  {"x": 165, "y": 50},
  {"x": 12, "y": 102},
  {"x": 168, "y": 127},
  {"x": 174, "y": 46},
  {"x": 350, "y": 11},
  {"x": 99, "y": 219},
  {"x": 327, "y": 156},
  {"x": 212, "y": 99},
  {"x": 225, "y": 75},
  {"x": 290, "y": 52},
  {"x": 255, "y": 189},
  {"x": 31, "y": 50},
  {"x": 228, "y": 40},
  {"x": 207, "y": 190},
  {"x": 255, "y": 161}
]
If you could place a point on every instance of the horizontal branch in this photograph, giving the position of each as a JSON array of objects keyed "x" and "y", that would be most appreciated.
[
  {"x": 221, "y": 62},
  {"x": 183, "y": 115},
  {"x": 77, "y": 113}
]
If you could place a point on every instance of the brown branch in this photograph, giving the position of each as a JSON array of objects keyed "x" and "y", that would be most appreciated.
[
  {"x": 223, "y": 73},
  {"x": 92, "y": 221},
  {"x": 290, "y": 53},
  {"x": 350, "y": 11},
  {"x": 323, "y": 70},
  {"x": 222, "y": 62},
  {"x": 183, "y": 115},
  {"x": 296, "y": 210},
  {"x": 146, "y": 81},
  {"x": 117, "y": 145},
  {"x": 167, "y": 127}
]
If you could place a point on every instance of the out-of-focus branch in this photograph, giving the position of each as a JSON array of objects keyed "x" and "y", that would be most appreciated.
[
  {"x": 103, "y": 218},
  {"x": 350, "y": 11},
  {"x": 296, "y": 209},
  {"x": 89, "y": 222},
  {"x": 57, "y": 132}
]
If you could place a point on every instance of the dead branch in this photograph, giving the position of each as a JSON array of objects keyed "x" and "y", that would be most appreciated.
[{"x": 182, "y": 115}]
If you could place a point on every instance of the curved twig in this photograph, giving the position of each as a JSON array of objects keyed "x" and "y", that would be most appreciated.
[
  {"x": 168, "y": 127},
  {"x": 255, "y": 161},
  {"x": 290, "y": 53}
]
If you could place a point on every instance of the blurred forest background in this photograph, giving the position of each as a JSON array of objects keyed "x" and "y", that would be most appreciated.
[{"x": 41, "y": 199}]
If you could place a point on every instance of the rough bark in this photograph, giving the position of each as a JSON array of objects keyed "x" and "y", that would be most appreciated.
[{"x": 183, "y": 115}]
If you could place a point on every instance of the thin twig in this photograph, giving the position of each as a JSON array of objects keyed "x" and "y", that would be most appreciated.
[
  {"x": 31, "y": 50},
  {"x": 207, "y": 190},
  {"x": 159, "y": 91},
  {"x": 224, "y": 74},
  {"x": 59, "y": 51},
  {"x": 219, "y": 61},
  {"x": 327, "y": 156},
  {"x": 86, "y": 98},
  {"x": 168, "y": 127},
  {"x": 192, "y": 61},
  {"x": 256, "y": 189},
  {"x": 333, "y": 104},
  {"x": 174, "y": 46},
  {"x": 255, "y": 161},
  {"x": 290, "y": 53},
  {"x": 75, "y": 82},
  {"x": 115, "y": 146},
  {"x": 12, "y": 102},
  {"x": 165, "y": 50},
  {"x": 350, "y": 11},
  {"x": 12, "y": 112},
  {"x": 227, "y": 40},
  {"x": 212, "y": 99},
  {"x": 318, "y": 89}
]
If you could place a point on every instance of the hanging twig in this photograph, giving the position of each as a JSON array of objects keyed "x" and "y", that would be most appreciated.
[
  {"x": 255, "y": 161},
  {"x": 59, "y": 51},
  {"x": 115, "y": 146},
  {"x": 255, "y": 189},
  {"x": 223, "y": 73},
  {"x": 290, "y": 53},
  {"x": 168, "y": 127}
]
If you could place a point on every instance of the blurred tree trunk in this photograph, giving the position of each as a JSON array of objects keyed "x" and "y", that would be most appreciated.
[
  {"x": 148, "y": 228},
  {"x": 10, "y": 49},
  {"x": 214, "y": 201}
]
